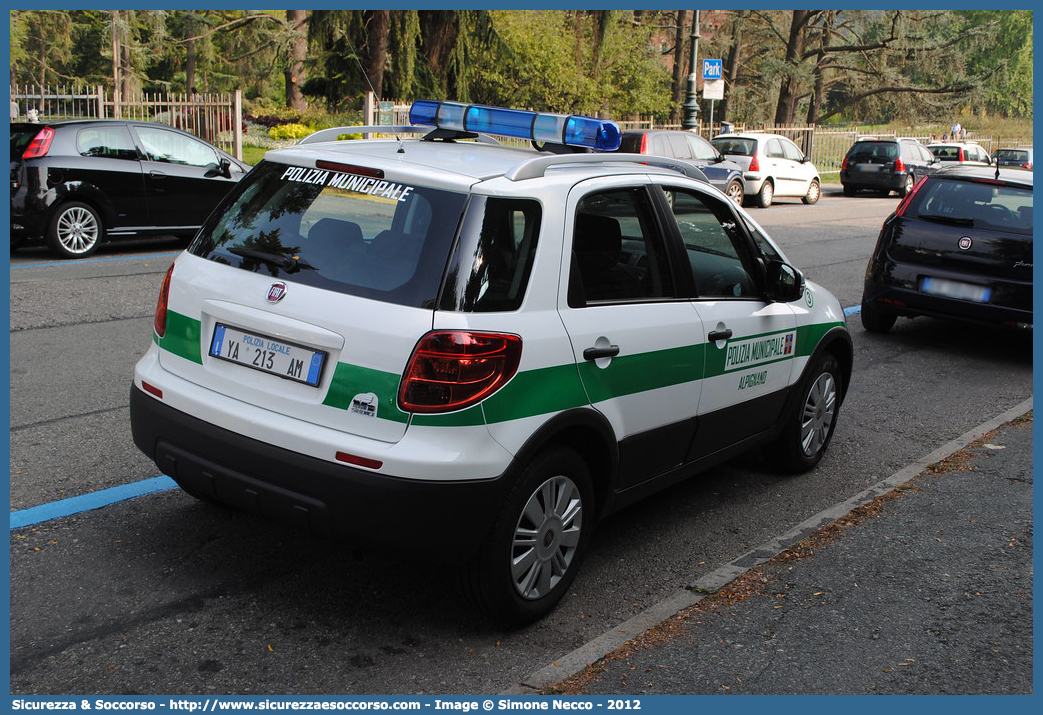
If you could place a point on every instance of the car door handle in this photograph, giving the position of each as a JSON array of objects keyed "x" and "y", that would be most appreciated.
[
  {"x": 157, "y": 174},
  {"x": 716, "y": 335},
  {"x": 598, "y": 353}
]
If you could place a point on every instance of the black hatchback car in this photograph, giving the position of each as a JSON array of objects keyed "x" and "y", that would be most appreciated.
[
  {"x": 958, "y": 246},
  {"x": 77, "y": 183},
  {"x": 722, "y": 173},
  {"x": 885, "y": 165}
]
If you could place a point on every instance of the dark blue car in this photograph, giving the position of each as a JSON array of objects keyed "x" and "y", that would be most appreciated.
[{"x": 724, "y": 174}]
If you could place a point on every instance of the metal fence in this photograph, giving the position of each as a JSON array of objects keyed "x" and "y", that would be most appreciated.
[{"x": 215, "y": 117}]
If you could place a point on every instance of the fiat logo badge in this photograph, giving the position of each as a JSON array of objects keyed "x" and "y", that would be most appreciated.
[
  {"x": 276, "y": 292},
  {"x": 965, "y": 243}
]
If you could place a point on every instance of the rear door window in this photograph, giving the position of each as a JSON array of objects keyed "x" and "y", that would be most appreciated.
[
  {"x": 111, "y": 142},
  {"x": 353, "y": 233},
  {"x": 618, "y": 250}
]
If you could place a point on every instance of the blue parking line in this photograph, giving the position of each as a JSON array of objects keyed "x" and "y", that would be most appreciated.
[
  {"x": 93, "y": 260},
  {"x": 105, "y": 497},
  {"x": 89, "y": 502}
]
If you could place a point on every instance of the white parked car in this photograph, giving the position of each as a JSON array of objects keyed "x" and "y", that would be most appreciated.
[
  {"x": 476, "y": 351},
  {"x": 772, "y": 166}
]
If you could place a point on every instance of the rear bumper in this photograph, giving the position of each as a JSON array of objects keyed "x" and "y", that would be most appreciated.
[
  {"x": 450, "y": 519},
  {"x": 879, "y": 180},
  {"x": 910, "y": 302}
]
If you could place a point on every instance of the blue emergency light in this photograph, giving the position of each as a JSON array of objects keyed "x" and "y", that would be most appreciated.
[{"x": 540, "y": 127}]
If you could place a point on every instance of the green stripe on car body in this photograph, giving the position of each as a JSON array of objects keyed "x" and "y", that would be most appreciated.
[
  {"x": 182, "y": 337},
  {"x": 529, "y": 393}
]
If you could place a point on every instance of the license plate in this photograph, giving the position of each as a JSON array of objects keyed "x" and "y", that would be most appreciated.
[
  {"x": 955, "y": 289},
  {"x": 267, "y": 354},
  {"x": 869, "y": 167}
]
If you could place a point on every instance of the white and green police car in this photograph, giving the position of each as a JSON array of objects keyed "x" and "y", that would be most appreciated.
[{"x": 479, "y": 351}]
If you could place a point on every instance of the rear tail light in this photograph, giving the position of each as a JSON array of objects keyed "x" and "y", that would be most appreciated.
[
  {"x": 644, "y": 144},
  {"x": 904, "y": 204},
  {"x": 40, "y": 144},
  {"x": 160, "y": 320},
  {"x": 755, "y": 162},
  {"x": 453, "y": 369},
  {"x": 1027, "y": 165},
  {"x": 899, "y": 164},
  {"x": 843, "y": 164},
  {"x": 960, "y": 154}
]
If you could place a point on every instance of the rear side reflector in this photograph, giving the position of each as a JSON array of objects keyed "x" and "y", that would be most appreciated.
[
  {"x": 152, "y": 390},
  {"x": 359, "y": 461},
  {"x": 453, "y": 369}
]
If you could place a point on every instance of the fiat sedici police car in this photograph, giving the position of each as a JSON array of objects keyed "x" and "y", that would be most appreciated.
[{"x": 460, "y": 348}]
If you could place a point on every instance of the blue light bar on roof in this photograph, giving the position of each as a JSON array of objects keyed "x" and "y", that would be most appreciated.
[{"x": 540, "y": 127}]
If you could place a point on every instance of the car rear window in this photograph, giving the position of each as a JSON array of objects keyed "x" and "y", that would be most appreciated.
[
  {"x": 736, "y": 147},
  {"x": 1012, "y": 155},
  {"x": 630, "y": 143},
  {"x": 946, "y": 153},
  {"x": 974, "y": 203},
  {"x": 349, "y": 232},
  {"x": 873, "y": 152},
  {"x": 21, "y": 136}
]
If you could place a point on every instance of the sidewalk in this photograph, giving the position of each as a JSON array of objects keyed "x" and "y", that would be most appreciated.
[{"x": 926, "y": 589}]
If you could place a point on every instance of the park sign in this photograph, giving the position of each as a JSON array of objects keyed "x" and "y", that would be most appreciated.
[{"x": 713, "y": 79}]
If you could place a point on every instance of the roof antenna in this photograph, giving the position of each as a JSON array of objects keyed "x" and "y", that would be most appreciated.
[{"x": 355, "y": 54}]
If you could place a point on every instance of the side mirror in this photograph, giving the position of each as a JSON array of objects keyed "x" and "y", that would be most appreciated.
[
  {"x": 783, "y": 282},
  {"x": 223, "y": 168}
]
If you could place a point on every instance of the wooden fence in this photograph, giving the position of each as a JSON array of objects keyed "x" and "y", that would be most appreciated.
[{"x": 215, "y": 117}]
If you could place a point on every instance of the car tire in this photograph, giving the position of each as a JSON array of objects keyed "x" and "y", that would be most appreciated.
[
  {"x": 809, "y": 425},
  {"x": 537, "y": 541},
  {"x": 766, "y": 194},
  {"x": 910, "y": 181},
  {"x": 814, "y": 192},
  {"x": 75, "y": 231},
  {"x": 875, "y": 320},
  {"x": 734, "y": 191},
  {"x": 850, "y": 190}
]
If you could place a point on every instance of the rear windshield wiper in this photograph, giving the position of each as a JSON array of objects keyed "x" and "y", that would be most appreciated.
[
  {"x": 951, "y": 220},
  {"x": 285, "y": 262}
]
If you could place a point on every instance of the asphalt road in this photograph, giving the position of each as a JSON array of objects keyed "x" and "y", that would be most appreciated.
[{"x": 165, "y": 595}]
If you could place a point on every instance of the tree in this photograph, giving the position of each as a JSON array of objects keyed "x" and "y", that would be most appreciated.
[{"x": 297, "y": 53}]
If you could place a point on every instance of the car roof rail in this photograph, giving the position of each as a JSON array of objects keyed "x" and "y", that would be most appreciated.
[
  {"x": 331, "y": 134},
  {"x": 537, "y": 167}
]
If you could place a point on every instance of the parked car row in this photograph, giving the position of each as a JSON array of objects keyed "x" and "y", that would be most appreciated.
[{"x": 75, "y": 184}]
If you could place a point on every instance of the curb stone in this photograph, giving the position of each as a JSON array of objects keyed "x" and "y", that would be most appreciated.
[{"x": 594, "y": 650}]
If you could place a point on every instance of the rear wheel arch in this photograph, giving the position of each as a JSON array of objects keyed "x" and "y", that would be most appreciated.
[{"x": 587, "y": 433}]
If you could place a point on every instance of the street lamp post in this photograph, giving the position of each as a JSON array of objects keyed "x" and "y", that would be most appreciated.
[{"x": 690, "y": 118}]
